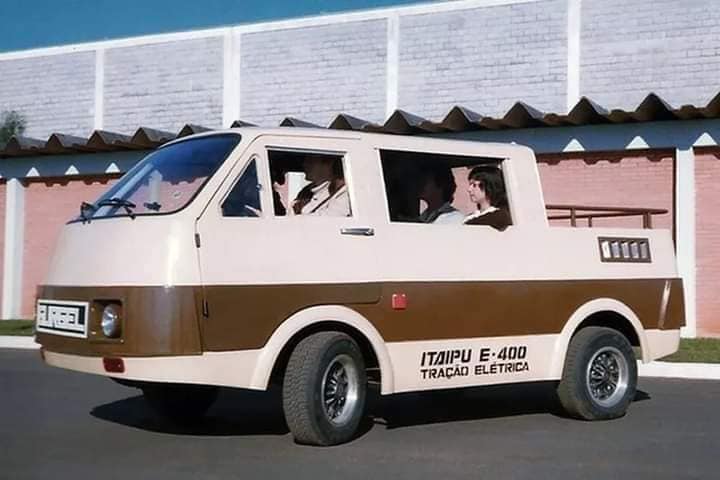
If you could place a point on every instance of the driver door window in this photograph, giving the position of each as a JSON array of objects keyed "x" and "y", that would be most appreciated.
[{"x": 244, "y": 197}]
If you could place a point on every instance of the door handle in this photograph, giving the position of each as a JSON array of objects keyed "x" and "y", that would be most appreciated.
[{"x": 361, "y": 231}]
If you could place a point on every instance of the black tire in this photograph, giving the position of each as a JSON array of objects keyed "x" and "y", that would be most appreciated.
[
  {"x": 607, "y": 356},
  {"x": 179, "y": 403},
  {"x": 316, "y": 365}
]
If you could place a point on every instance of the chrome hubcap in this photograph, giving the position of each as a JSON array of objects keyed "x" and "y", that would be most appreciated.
[
  {"x": 340, "y": 389},
  {"x": 607, "y": 376}
]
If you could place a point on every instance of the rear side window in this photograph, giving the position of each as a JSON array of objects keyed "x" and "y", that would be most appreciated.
[{"x": 440, "y": 189}]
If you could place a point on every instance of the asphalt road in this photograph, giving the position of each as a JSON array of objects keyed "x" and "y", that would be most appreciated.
[{"x": 60, "y": 424}]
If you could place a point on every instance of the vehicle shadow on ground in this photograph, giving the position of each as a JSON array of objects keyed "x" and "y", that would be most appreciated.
[
  {"x": 411, "y": 409},
  {"x": 235, "y": 413},
  {"x": 240, "y": 412}
]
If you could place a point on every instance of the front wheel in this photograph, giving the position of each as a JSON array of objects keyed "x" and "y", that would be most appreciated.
[
  {"x": 600, "y": 375},
  {"x": 324, "y": 389},
  {"x": 180, "y": 403}
]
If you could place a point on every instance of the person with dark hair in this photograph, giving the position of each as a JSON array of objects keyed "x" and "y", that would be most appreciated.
[
  {"x": 487, "y": 190},
  {"x": 437, "y": 189}
]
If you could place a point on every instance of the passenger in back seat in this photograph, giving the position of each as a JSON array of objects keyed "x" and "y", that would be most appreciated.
[
  {"x": 487, "y": 190},
  {"x": 437, "y": 188}
]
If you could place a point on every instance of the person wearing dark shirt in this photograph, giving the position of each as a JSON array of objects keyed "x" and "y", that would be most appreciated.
[{"x": 437, "y": 189}]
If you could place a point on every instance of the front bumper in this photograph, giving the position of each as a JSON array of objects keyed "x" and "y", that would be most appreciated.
[{"x": 230, "y": 369}]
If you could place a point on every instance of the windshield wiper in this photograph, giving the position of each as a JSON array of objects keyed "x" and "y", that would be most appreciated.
[
  {"x": 84, "y": 207},
  {"x": 118, "y": 202}
]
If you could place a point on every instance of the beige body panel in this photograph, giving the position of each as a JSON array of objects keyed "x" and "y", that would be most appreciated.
[{"x": 124, "y": 252}]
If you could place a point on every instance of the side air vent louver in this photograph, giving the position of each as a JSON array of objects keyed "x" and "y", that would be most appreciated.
[{"x": 626, "y": 250}]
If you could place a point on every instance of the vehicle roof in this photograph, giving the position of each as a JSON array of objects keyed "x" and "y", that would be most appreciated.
[{"x": 376, "y": 138}]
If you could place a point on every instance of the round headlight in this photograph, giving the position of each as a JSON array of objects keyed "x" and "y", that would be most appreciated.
[{"x": 111, "y": 321}]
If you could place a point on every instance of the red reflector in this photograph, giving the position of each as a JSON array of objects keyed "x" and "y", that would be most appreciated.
[
  {"x": 399, "y": 301},
  {"x": 114, "y": 365}
]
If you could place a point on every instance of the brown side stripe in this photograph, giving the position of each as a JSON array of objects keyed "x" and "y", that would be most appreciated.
[{"x": 169, "y": 321}]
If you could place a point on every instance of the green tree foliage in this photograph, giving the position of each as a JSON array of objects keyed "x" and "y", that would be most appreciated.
[{"x": 11, "y": 123}]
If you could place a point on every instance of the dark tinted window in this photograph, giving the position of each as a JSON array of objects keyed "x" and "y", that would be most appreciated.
[{"x": 244, "y": 198}]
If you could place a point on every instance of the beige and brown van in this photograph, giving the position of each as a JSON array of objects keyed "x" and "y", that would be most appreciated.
[{"x": 200, "y": 269}]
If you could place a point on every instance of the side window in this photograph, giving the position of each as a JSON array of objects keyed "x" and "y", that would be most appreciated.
[
  {"x": 445, "y": 189},
  {"x": 244, "y": 198},
  {"x": 309, "y": 183}
]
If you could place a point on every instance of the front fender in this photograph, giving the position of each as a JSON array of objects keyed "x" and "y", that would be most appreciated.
[{"x": 303, "y": 319}]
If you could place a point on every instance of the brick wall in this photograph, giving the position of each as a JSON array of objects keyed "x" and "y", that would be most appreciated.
[
  {"x": 707, "y": 224},
  {"x": 485, "y": 59},
  {"x": 164, "y": 85},
  {"x": 48, "y": 206},
  {"x": 53, "y": 93},
  {"x": 632, "y": 47},
  {"x": 314, "y": 73},
  {"x": 627, "y": 180}
]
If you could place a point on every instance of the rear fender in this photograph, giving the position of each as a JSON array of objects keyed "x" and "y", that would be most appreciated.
[{"x": 581, "y": 314}]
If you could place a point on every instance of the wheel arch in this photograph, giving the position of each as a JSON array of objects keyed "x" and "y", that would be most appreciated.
[
  {"x": 601, "y": 312},
  {"x": 316, "y": 319}
]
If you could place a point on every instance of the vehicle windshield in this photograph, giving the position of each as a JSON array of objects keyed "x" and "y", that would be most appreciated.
[{"x": 165, "y": 181}]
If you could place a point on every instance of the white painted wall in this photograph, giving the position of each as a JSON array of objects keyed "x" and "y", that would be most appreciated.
[
  {"x": 685, "y": 227},
  {"x": 14, "y": 249}
]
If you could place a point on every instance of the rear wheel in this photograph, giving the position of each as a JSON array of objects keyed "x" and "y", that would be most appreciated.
[
  {"x": 324, "y": 389},
  {"x": 180, "y": 403},
  {"x": 600, "y": 375}
]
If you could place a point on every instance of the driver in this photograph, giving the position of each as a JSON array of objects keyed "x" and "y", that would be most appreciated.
[{"x": 327, "y": 193}]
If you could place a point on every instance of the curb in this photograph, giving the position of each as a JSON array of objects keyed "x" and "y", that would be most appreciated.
[
  {"x": 9, "y": 341},
  {"x": 698, "y": 371}
]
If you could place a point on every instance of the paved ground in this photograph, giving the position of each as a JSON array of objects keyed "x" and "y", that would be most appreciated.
[{"x": 59, "y": 424}]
